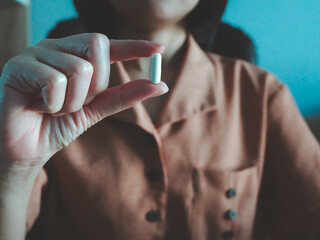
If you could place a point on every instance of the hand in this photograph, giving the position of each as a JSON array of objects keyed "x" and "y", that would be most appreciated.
[{"x": 55, "y": 91}]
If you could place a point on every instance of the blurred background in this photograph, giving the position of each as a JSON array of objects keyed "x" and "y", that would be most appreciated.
[{"x": 286, "y": 34}]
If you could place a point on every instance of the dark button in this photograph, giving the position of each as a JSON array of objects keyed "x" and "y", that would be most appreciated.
[
  {"x": 153, "y": 216},
  {"x": 228, "y": 234},
  {"x": 154, "y": 175},
  {"x": 231, "y": 193},
  {"x": 231, "y": 214}
]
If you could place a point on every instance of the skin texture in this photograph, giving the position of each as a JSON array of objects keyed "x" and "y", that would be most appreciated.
[
  {"x": 151, "y": 14},
  {"x": 65, "y": 73},
  {"x": 159, "y": 21},
  {"x": 53, "y": 92}
]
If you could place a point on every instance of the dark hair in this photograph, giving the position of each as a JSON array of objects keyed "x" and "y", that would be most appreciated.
[{"x": 99, "y": 16}]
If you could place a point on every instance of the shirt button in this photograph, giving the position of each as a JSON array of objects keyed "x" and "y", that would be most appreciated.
[
  {"x": 231, "y": 193},
  {"x": 154, "y": 175},
  {"x": 153, "y": 216},
  {"x": 231, "y": 214},
  {"x": 228, "y": 234}
]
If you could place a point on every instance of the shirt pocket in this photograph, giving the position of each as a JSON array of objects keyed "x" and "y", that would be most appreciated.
[{"x": 225, "y": 203}]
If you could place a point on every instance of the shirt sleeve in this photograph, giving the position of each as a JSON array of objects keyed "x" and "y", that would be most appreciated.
[
  {"x": 35, "y": 199},
  {"x": 290, "y": 189}
]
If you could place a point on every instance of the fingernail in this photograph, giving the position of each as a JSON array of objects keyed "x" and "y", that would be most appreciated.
[
  {"x": 165, "y": 88},
  {"x": 162, "y": 88},
  {"x": 158, "y": 45},
  {"x": 162, "y": 48}
]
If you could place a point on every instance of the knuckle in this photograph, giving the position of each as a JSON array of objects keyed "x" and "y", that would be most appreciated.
[
  {"x": 12, "y": 68},
  {"x": 12, "y": 62},
  {"x": 53, "y": 108},
  {"x": 30, "y": 50},
  {"x": 56, "y": 79},
  {"x": 7, "y": 71},
  {"x": 98, "y": 41},
  {"x": 43, "y": 42},
  {"x": 81, "y": 68},
  {"x": 98, "y": 88}
]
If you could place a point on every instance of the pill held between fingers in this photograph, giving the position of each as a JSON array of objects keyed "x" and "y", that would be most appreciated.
[{"x": 155, "y": 68}]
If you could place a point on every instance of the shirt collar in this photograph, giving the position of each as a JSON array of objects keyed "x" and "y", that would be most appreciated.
[{"x": 192, "y": 93}]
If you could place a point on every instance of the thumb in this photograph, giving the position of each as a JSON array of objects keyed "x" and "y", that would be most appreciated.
[{"x": 119, "y": 98}]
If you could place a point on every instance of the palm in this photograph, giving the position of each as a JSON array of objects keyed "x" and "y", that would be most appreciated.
[
  {"x": 36, "y": 137},
  {"x": 61, "y": 131}
]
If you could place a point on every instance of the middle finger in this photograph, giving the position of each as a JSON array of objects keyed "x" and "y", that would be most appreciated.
[{"x": 78, "y": 72}]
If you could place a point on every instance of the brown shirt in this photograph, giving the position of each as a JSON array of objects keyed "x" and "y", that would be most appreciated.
[{"x": 229, "y": 157}]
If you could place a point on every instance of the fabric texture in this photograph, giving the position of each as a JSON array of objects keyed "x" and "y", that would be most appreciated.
[{"x": 228, "y": 157}]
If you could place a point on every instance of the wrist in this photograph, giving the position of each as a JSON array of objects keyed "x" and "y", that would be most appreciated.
[
  {"x": 14, "y": 199},
  {"x": 15, "y": 166},
  {"x": 15, "y": 191},
  {"x": 17, "y": 175}
]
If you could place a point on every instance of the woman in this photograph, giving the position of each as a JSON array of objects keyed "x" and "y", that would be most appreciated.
[{"x": 225, "y": 154}]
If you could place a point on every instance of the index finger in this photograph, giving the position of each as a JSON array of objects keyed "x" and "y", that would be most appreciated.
[
  {"x": 84, "y": 45},
  {"x": 124, "y": 50},
  {"x": 100, "y": 52}
]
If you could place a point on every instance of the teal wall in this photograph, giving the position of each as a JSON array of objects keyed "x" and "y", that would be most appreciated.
[
  {"x": 286, "y": 33},
  {"x": 46, "y": 13}
]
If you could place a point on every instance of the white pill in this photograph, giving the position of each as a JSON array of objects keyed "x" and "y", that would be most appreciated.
[{"x": 155, "y": 68}]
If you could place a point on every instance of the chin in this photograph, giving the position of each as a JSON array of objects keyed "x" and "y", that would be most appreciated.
[{"x": 153, "y": 12}]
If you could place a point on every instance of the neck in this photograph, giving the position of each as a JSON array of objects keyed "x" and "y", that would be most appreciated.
[{"x": 172, "y": 36}]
